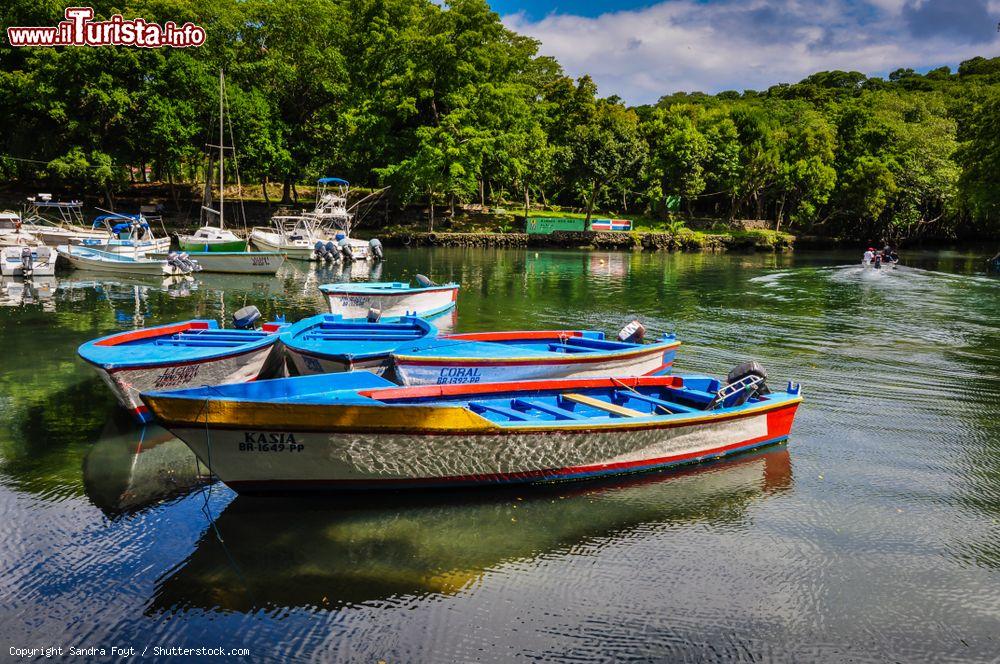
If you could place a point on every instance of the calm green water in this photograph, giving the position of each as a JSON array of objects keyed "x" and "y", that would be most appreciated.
[{"x": 873, "y": 535}]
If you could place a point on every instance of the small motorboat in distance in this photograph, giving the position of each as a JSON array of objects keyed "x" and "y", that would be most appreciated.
[
  {"x": 391, "y": 299},
  {"x": 327, "y": 343},
  {"x": 358, "y": 431},
  {"x": 179, "y": 354},
  {"x": 489, "y": 357}
]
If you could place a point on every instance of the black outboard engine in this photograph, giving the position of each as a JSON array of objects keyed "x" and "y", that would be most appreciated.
[
  {"x": 246, "y": 318},
  {"x": 318, "y": 250},
  {"x": 374, "y": 315},
  {"x": 183, "y": 262},
  {"x": 424, "y": 281},
  {"x": 27, "y": 265},
  {"x": 633, "y": 333},
  {"x": 331, "y": 251},
  {"x": 376, "y": 248}
]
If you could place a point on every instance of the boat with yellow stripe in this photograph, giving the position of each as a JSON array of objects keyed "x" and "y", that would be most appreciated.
[{"x": 358, "y": 431}]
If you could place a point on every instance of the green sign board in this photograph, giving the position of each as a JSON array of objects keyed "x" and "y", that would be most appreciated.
[{"x": 546, "y": 225}]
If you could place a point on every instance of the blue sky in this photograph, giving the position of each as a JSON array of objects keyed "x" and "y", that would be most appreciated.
[{"x": 642, "y": 49}]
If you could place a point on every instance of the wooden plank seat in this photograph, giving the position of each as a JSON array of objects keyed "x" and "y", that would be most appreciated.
[{"x": 613, "y": 409}]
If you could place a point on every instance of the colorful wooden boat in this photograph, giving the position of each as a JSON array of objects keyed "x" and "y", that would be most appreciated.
[
  {"x": 393, "y": 299},
  {"x": 358, "y": 431},
  {"x": 179, "y": 354},
  {"x": 234, "y": 262},
  {"x": 489, "y": 357},
  {"x": 327, "y": 343}
]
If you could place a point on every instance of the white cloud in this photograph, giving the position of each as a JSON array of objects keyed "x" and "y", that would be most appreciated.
[{"x": 689, "y": 45}]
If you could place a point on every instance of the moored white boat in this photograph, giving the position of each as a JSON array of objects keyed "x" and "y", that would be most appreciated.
[
  {"x": 358, "y": 431},
  {"x": 180, "y": 354},
  {"x": 129, "y": 235},
  {"x": 392, "y": 298},
  {"x": 233, "y": 262},
  {"x": 26, "y": 261},
  {"x": 86, "y": 258},
  {"x": 487, "y": 357}
]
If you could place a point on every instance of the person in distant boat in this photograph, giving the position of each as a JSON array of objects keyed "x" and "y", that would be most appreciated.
[{"x": 869, "y": 256}]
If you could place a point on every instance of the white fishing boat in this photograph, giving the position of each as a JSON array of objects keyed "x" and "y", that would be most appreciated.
[
  {"x": 12, "y": 231},
  {"x": 324, "y": 234},
  {"x": 88, "y": 258},
  {"x": 232, "y": 262},
  {"x": 27, "y": 261},
  {"x": 128, "y": 234},
  {"x": 57, "y": 222}
]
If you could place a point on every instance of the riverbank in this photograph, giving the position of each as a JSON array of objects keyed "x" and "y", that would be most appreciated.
[{"x": 684, "y": 240}]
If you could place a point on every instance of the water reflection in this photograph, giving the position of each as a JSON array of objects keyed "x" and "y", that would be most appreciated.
[
  {"x": 16, "y": 292},
  {"x": 130, "y": 467},
  {"x": 320, "y": 553}
]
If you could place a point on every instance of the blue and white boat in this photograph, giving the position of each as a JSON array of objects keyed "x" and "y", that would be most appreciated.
[
  {"x": 487, "y": 357},
  {"x": 180, "y": 354},
  {"x": 393, "y": 299},
  {"x": 327, "y": 343}
]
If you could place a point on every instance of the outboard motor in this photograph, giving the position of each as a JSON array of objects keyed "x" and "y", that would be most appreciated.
[
  {"x": 633, "y": 333},
  {"x": 376, "y": 248},
  {"x": 743, "y": 382},
  {"x": 182, "y": 262},
  {"x": 345, "y": 248},
  {"x": 246, "y": 318},
  {"x": 319, "y": 250},
  {"x": 424, "y": 281},
  {"x": 27, "y": 265},
  {"x": 374, "y": 315},
  {"x": 331, "y": 251}
]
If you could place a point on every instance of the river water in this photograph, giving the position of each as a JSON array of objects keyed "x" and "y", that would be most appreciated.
[{"x": 874, "y": 534}]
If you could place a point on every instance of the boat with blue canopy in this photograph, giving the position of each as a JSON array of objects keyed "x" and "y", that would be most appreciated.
[
  {"x": 184, "y": 353},
  {"x": 358, "y": 431},
  {"x": 485, "y": 357},
  {"x": 128, "y": 234},
  {"x": 328, "y": 343}
]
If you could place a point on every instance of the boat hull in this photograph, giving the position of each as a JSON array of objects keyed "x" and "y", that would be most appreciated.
[
  {"x": 286, "y": 458},
  {"x": 238, "y": 262},
  {"x": 413, "y": 370},
  {"x": 268, "y": 241},
  {"x": 189, "y": 244},
  {"x": 43, "y": 262},
  {"x": 127, "y": 383},
  {"x": 302, "y": 363},
  {"x": 425, "y": 303},
  {"x": 129, "y": 248},
  {"x": 159, "y": 268}
]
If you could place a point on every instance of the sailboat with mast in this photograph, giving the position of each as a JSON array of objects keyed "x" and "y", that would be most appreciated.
[{"x": 215, "y": 238}]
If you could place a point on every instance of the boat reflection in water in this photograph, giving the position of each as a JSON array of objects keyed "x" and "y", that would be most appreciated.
[
  {"x": 295, "y": 552},
  {"x": 133, "y": 467},
  {"x": 16, "y": 292}
]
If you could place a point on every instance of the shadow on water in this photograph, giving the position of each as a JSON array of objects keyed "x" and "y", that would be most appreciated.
[
  {"x": 327, "y": 553},
  {"x": 130, "y": 468}
]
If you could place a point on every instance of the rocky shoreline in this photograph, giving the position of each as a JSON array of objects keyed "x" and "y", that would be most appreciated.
[{"x": 621, "y": 241}]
